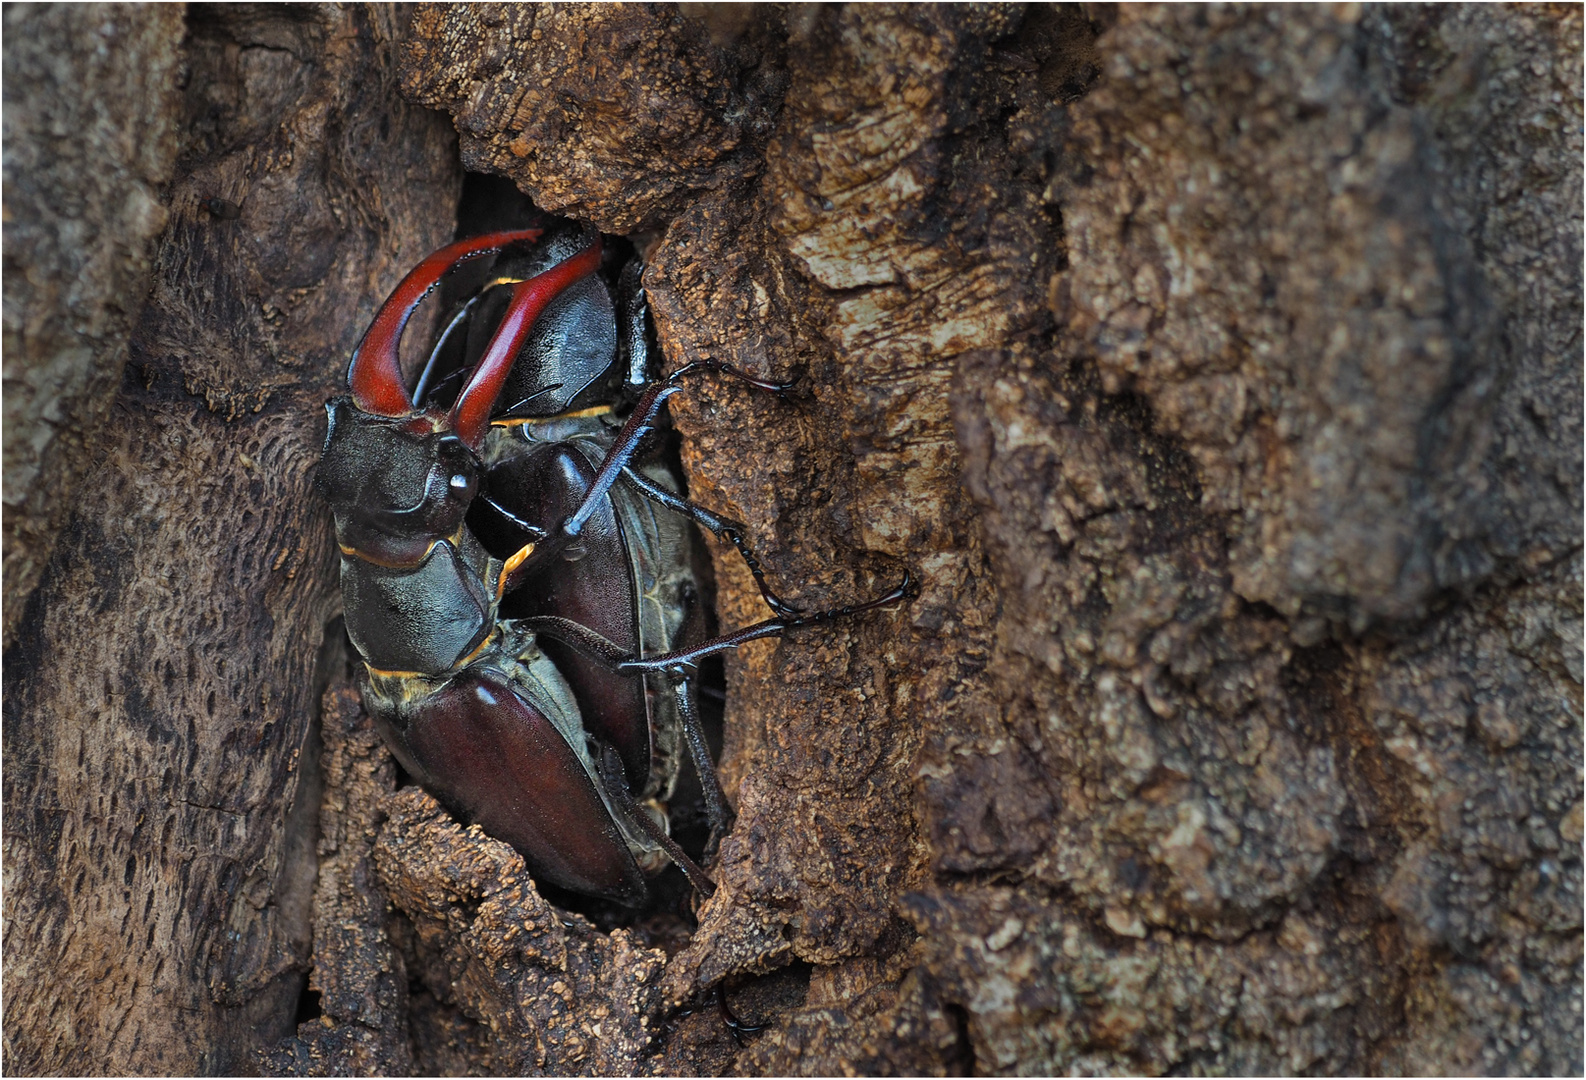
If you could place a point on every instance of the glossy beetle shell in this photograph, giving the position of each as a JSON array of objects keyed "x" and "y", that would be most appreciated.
[{"x": 464, "y": 695}]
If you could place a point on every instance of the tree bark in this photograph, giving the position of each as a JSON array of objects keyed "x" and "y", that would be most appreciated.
[
  {"x": 160, "y": 692},
  {"x": 1214, "y": 371}
]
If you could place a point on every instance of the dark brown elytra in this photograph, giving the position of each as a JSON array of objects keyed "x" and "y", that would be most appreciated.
[{"x": 521, "y": 580}]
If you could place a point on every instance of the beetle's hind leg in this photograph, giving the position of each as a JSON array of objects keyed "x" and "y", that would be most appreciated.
[
  {"x": 722, "y": 528},
  {"x": 679, "y": 667},
  {"x": 616, "y": 785},
  {"x": 686, "y": 659},
  {"x": 716, "y": 809},
  {"x": 681, "y": 662},
  {"x": 734, "y": 1022}
]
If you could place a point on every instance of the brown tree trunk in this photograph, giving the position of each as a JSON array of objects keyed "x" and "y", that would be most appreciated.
[
  {"x": 162, "y": 681},
  {"x": 1216, "y": 373}
]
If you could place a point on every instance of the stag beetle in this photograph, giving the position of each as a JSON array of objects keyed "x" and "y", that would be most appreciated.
[{"x": 519, "y": 581}]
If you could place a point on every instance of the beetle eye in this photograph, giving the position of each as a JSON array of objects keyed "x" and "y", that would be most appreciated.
[{"x": 459, "y": 482}]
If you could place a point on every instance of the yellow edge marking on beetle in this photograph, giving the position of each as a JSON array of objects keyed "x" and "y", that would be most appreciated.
[
  {"x": 597, "y": 410},
  {"x": 514, "y": 561},
  {"x": 465, "y": 661},
  {"x": 354, "y": 553}
]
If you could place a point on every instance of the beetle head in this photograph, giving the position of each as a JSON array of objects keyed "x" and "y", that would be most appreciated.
[
  {"x": 567, "y": 360},
  {"x": 395, "y": 484},
  {"x": 398, "y": 478}
]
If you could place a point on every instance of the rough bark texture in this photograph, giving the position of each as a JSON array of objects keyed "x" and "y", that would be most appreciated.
[
  {"x": 91, "y": 129},
  {"x": 1215, "y": 370},
  {"x": 160, "y": 793}
]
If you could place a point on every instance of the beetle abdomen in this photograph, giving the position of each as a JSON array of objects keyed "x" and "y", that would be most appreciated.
[{"x": 479, "y": 744}]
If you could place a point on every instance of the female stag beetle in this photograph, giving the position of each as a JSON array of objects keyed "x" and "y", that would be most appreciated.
[{"x": 519, "y": 581}]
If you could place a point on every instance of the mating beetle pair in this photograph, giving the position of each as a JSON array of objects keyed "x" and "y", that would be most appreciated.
[{"x": 519, "y": 582}]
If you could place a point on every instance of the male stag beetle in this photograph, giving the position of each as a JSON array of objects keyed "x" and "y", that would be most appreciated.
[{"x": 519, "y": 581}]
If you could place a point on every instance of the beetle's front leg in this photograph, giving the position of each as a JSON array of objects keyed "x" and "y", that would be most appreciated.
[{"x": 639, "y": 424}]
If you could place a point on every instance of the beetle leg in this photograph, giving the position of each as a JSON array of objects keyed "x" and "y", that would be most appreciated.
[
  {"x": 684, "y": 659},
  {"x": 534, "y": 531},
  {"x": 616, "y": 784},
  {"x": 638, "y": 425},
  {"x": 722, "y": 368},
  {"x": 635, "y": 429},
  {"x": 718, "y": 525},
  {"x": 633, "y": 347},
  {"x": 735, "y": 1023},
  {"x": 716, "y": 808},
  {"x": 680, "y": 662},
  {"x": 722, "y": 528},
  {"x": 509, "y": 410},
  {"x": 596, "y": 646}
]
